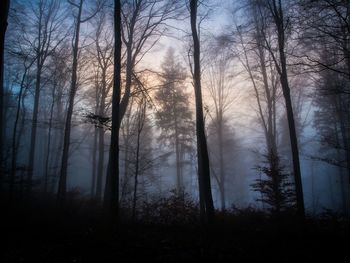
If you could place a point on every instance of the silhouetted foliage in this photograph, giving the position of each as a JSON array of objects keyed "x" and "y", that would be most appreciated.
[
  {"x": 170, "y": 210},
  {"x": 274, "y": 185}
]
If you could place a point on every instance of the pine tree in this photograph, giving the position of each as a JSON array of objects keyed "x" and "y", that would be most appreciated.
[
  {"x": 275, "y": 186},
  {"x": 174, "y": 117}
]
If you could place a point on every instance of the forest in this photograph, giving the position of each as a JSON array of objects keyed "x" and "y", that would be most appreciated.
[{"x": 174, "y": 130}]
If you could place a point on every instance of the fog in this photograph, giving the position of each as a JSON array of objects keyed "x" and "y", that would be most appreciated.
[{"x": 243, "y": 100}]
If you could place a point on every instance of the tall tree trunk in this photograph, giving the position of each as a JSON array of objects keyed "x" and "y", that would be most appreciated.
[
  {"x": 126, "y": 135},
  {"x": 101, "y": 146},
  {"x": 221, "y": 162},
  {"x": 4, "y": 10},
  {"x": 111, "y": 197},
  {"x": 140, "y": 123},
  {"x": 14, "y": 137},
  {"x": 125, "y": 101},
  {"x": 39, "y": 65},
  {"x": 94, "y": 148},
  {"x": 136, "y": 176},
  {"x": 18, "y": 143},
  {"x": 343, "y": 132},
  {"x": 94, "y": 155},
  {"x": 62, "y": 185},
  {"x": 48, "y": 146},
  {"x": 293, "y": 141},
  {"x": 177, "y": 160},
  {"x": 34, "y": 128},
  {"x": 202, "y": 149},
  {"x": 279, "y": 21},
  {"x": 340, "y": 169},
  {"x": 130, "y": 62},
  {"x": 179, "y": 186},
  {"x": 58, "y": 142},
  {"x": 100, "y": 163}
]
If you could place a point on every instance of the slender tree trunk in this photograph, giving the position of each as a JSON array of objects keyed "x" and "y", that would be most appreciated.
[
  {"x": 39, "y": 65},
  {"x": 4, "y": 10},
  {"x": 130, "y": 62},
  {"x": 294, "y": 144},
  {"x": 34, "y": 128},
  {"x": 179, "y": 186},
  {"x": 94, "y": 158},
  {"x": 14, "y": 137},
  {"x": 340, "y": 169},
  {"x": 202, "y": 149},
  {"x": 62, "y": 185},
  {"x": 136, "y": 175},
  {"x": 18, "y": 143},
  {"x": 101, "y": 146},
  {"x": 126, "y": 137},
  {"x": 313, "y": 198},
  {"x": 343, "y": 132},
  {"x": 60, "y": 115},
  {"x": 221, "y": 162},
  {"x": 101, "y": 161},
  {"x": 129, "y": 67},
  {"x": 140, "y": 123},
  {"x": 111, "y": 197},
  {"x": 94, "y": 148},
  {"x": 177, "y": 160},
  {"x": 48, "y": 147},
  {"x": 279, "y": 21},
  {"x": 126, "y": 156}
]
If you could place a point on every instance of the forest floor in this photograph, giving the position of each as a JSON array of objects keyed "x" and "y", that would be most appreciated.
[{"x": 38, "y": 233}]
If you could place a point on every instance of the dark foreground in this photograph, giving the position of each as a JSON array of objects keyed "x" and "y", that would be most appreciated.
[{"x": 40, "y": 234}]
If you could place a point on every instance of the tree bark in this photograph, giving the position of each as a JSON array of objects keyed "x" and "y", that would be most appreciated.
[
  {"x": 179, "y": 185},
  {"x": 48, "y": 147},
  {"x": 31, "y": 156},
  {"x": 279, "y": 21},
  {"x": 62, "y": 185},
  {"x": 101, "y": 150},
  {"x": 93, "y": 174},
  {"x": 141, "y": 120},
  {"x": 221, "y": 161},
  {"x": 202, "y": 149},
  {"x": 4, "y": 10},
  {"x": 14, "y": 137},
  {"x": 111, "y": 197}
]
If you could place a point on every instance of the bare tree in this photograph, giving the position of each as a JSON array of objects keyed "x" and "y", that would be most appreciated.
[
  {"x": 79, "y": 19},
  {"x": 249, "y": 48},
  {"x": 143, "y": 25},
  {"x": 141, "y": 112},
  {"x": 49, "y": 22},
  {"x": 111, "y": 195},
  {"x": 103, "y": 63},
  {"x": 57, "y": 80},
  {"x": 206, "y": 200},
  {"x": 281, "y": 24},
  {"x": 219, "y": 85},
  {"x": 23, "y": 84},
  {"x": 325, "y": 35}
]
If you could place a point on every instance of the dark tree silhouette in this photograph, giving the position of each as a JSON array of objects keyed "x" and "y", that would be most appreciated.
[
  {"x": 62, "y": 186},
  {"x": 4, "y": 10},
  {"x": 111, "y": 196},
  {"x": 205, "y": 195},
  {"x": 277, "y": 13},
  {"x": 275, "y": 188}
]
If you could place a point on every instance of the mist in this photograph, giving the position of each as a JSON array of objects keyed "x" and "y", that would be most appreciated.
[{"x": 176, "y": 113}]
